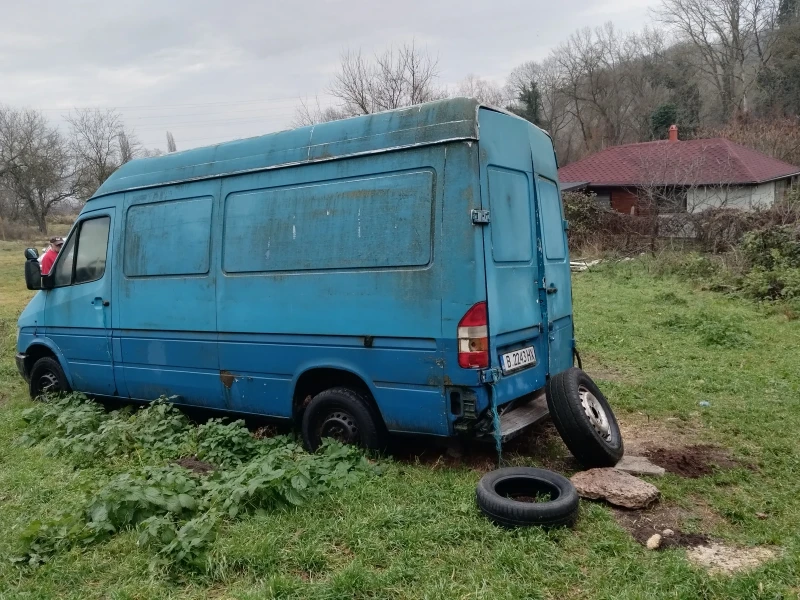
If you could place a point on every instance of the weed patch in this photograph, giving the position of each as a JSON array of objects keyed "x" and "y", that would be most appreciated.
[
  {"x": 711, "y": 329},
  {"x": 177, "y": 511}
]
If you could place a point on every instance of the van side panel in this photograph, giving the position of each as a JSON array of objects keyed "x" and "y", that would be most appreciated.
[
  {"x": 335, "y": 265},
  {"x": 166, "y": 289}
]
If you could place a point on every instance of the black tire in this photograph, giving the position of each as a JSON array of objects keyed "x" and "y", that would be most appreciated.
[
  {"x": 47, "y": 377},
  {"x": 498, "y": 489},
  {"x": 594, "y": 440},
  {"x": 345, "y": 415}
]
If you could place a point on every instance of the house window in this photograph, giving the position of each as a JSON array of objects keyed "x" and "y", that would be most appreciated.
[
  {"x": 671, "y": 199},
  {"x": 603, "y": 199}
]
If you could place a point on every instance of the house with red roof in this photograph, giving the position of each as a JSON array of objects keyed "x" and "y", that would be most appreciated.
[{"x": 680, "y": 176}]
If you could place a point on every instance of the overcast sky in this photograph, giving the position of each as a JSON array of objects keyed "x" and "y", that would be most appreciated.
[{"x": 210, "y": 71}]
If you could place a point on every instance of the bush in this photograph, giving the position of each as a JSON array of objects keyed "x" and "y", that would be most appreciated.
[{"x": 774, "y": 246}]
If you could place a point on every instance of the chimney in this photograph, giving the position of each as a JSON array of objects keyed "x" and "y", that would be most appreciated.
[{"x": 673, "y": 133}]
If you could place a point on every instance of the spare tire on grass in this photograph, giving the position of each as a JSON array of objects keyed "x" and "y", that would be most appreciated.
[
  {"x": 584, "y": 419},
  {"x": 524, "y": 496}
]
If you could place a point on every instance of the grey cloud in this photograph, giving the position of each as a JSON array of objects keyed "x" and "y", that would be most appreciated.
[{"x": 161, "y": 53}]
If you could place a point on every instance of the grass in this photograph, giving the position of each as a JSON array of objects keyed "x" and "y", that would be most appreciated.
[{"x": 657, "y": 347}]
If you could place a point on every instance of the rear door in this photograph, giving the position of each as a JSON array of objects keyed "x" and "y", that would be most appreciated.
[
  {"x": 517, "y": 346},
  {"x": 556, "y": 281}
]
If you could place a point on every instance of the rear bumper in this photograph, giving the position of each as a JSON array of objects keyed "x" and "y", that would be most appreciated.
[{"x": 20, "y": 360}]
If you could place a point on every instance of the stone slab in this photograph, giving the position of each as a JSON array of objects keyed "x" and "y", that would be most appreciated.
[{"x": 615, "y": 487}]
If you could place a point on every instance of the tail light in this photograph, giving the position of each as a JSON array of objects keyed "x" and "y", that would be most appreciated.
[{"x": 473, "y": 338}]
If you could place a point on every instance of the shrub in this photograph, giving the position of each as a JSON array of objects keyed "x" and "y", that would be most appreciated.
[{"x": 773, "y": 246}]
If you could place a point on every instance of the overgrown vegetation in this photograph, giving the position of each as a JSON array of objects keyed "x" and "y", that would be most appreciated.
[
  {"x": 176, "y": 512},
  {"x": 414, "y": 532},
  {"x": 754, "y": 254}
]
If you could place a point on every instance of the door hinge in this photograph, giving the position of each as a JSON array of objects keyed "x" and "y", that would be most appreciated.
[
  {"x": 490, "y": 375},
  {"x": 480, "y": 217}
]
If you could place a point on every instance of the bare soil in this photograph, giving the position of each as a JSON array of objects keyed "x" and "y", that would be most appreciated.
[
  {"x": 692, "y": 461},
  {"x": 193, "y": 464},
  {"x": 643, "y": 524}
]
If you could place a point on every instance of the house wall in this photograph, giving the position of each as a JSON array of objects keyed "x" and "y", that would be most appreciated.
[
  {"x": 623, "y": 200},
  {"x": 743, "y": 197}
]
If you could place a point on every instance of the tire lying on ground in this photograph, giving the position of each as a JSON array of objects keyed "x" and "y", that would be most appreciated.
[
  {"x": 584, "y": 419},
  {"x": 523, "y": 496}
]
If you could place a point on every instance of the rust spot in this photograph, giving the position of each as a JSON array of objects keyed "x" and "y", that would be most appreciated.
[
  {"x": 227, "y": 378},
  {"x": 447, "y": 380}
]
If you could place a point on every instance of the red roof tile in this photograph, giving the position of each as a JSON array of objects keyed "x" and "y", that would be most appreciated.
[{"x": 687, "y": 162}]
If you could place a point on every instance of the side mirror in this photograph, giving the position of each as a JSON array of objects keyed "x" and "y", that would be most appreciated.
[{"x": 33, "y": 271}]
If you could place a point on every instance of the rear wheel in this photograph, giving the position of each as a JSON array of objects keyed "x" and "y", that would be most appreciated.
[
  {"x": 584, "y": 419},
  {"x": 47, "y": 377},
  {"x": 344, "y": 415}
]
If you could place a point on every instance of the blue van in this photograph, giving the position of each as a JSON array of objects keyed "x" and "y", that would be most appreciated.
[{"x": 397, "y": 272}]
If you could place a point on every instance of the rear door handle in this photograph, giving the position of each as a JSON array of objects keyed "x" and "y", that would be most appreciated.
[{"x": 552, "y": 289}]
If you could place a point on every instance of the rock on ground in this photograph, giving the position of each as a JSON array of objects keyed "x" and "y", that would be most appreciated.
[
  {"x": 719, "y": 559},
  {"x": 639, "y": 465},
  {"x": 654, "y": 542},
  {"x": 615, "y": 487}
]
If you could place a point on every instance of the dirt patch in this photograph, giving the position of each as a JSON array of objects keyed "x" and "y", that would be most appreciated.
[
  {"x": 643, "y": 524},
  {"x": 640, "y": 432},
  {"x": 693, "y": 461},
  {"x": 480, "y": 457},
  {"x": 541, "y": 443},
  {"x": 725, "y": 560},
  {"x": 193, "y": 464}
]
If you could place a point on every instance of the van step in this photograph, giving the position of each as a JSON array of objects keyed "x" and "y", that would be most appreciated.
[{"x": 519, "y": 418}]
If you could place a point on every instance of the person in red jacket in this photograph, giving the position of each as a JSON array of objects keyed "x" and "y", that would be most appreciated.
[{"x": 52, "y": 252}]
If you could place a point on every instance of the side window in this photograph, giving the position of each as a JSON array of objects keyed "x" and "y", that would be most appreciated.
[
  {"x": 65, "y": 262},
  {"x": 85, "y": 253},
  {"x": 168, "y": 238}
]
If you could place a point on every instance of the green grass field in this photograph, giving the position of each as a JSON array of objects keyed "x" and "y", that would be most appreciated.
[{"x": 657, "y": 348}]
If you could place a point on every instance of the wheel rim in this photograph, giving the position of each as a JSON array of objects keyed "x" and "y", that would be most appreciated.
[
  {"x": 595, "y": 413},
  {"x": 48, "y": 382},
  {"x": 341, "y": 427}
]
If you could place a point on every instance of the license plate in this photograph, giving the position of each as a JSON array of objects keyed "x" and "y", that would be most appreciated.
[{"x": 518, "y": 359}]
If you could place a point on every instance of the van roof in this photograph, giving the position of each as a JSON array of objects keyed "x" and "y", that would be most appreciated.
[{"x": 420, "y": 125}]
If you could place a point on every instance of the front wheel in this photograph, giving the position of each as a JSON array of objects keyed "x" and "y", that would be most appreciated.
[
  {"x": 47, "y": 377},
  {"x": 344, "y": 415},
  {"x": 584, "y": 419}
]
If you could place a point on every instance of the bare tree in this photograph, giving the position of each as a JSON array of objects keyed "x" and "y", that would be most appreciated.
[
  {"x": 399, "y": 77},
  {"x": 310, "y": 113},
  {"x": 100, "y": 145},
  {"x": 733, "y": 40},
  {"x": 37, "y": 167},
  {"x": 171, "y": 147},
  {"x": 486, "y": 91},
  {"x": 549, "y": 81}
]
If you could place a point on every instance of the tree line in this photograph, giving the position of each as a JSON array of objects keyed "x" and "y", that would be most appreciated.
[
  {"x": 43, "y": 168},
  {"x": 709, "y": 66},
  {"x": 727, "y": 68}
]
